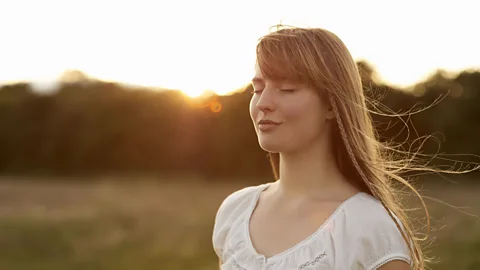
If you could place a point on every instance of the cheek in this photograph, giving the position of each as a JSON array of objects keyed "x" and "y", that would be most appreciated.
[
  {"x": 252, "y": 108},
  {"x": 305, "y": 115},
  {"x": 302, "y": 110}
]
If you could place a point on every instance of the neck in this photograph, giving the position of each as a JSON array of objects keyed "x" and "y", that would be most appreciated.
[{"x": 311, "y": 171}]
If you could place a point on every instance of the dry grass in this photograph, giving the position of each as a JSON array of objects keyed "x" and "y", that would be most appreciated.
[{"x": 145, "y": 224}]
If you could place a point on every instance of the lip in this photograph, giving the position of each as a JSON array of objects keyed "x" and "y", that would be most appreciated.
[
  {"x": 266, "y": 125},
  {"x": 267, "y": 122}
]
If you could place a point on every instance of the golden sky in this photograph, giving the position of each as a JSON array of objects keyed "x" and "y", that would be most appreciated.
[{"x": 210, "y": 44}]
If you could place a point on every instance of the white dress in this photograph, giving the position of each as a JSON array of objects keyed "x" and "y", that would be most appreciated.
[{"x": 358, "y": 235}]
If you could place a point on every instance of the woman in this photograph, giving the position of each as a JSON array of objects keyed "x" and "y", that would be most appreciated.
[{"x": 333, "y": 205}]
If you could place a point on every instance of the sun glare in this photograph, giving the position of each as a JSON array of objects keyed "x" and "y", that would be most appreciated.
[
  {"x": 163, "y": 51},
  {"x": 193, "y": 92}
]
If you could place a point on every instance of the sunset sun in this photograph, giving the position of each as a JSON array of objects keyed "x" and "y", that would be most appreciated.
[{"x": 215, "y": 51}]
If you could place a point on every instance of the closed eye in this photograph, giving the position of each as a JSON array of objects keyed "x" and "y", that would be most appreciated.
[{"x": 287, "y": 90}]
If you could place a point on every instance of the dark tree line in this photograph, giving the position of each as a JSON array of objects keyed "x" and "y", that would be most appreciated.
[{"x": 89, "y": 126}]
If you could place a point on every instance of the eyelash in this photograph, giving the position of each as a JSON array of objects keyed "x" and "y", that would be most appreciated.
[{"x": 283, "y": 90}]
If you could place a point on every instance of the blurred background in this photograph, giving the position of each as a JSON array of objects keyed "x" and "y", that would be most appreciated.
[{"x": 124, "y": 124}]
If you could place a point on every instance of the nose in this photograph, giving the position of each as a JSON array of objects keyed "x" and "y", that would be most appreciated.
[{"x": 266, "y": 101}]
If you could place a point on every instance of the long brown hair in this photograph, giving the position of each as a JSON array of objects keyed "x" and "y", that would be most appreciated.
[{"x": 318, "y": 57}]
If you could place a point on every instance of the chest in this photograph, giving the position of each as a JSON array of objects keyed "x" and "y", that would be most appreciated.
[{"x": 274, "y": 232}]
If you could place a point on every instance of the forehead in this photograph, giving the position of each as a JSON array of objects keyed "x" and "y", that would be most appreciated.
[
  {"x": 258, "y": 73},
  {"x": 258, "y": 70},
  {"x": 261, "y": 77}
]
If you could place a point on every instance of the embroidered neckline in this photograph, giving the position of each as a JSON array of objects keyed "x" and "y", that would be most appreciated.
[
  {"x": 252, "y": 207},
  {"x": 314, "y": 261}
]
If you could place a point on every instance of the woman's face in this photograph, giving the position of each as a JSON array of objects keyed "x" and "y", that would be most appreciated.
[{"x": 287, "y": 116}]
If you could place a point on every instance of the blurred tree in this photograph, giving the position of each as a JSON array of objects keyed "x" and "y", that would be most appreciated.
[{"x": 90, "y": 126}]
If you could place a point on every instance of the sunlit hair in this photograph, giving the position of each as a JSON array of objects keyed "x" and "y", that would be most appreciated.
[{"x": 319, "y": 58}]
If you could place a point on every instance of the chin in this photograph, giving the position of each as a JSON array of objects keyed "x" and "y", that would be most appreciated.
[{"x": 271, "y": 146}]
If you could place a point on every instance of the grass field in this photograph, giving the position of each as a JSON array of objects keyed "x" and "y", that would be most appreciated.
[{"x": 141, "y": 224}]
